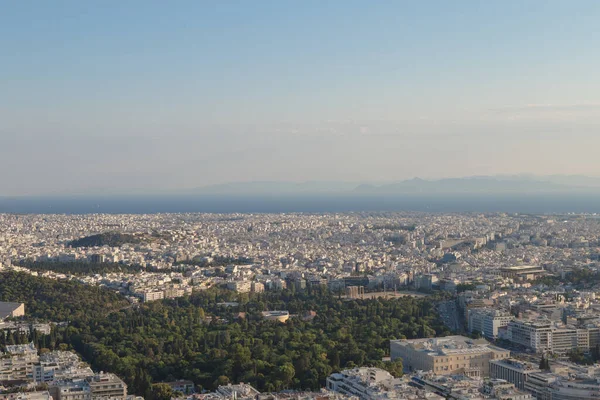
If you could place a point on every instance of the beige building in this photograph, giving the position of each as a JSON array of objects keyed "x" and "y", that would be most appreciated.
[
  {"x": 78, "y": 389},
  {"x": 522, "y": 272},
  {"x": 281, "y": 316},
  {"x": 105, "y": 385},
  {"x": 448, "y": 355},
  {"x": 18, "y": 363}
]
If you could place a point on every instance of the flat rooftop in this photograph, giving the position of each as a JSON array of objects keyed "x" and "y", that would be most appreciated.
[
  {"x": 449, "y": 345},
  {"x": 518, "y": 268}
]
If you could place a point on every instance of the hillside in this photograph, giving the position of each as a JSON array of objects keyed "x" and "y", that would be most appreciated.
[{"x": 111, "y": 239}]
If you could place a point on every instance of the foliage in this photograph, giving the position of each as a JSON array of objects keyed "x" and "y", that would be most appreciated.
[
  {"x": 59, "y": 301},
  {"x": 111, "y": 239},
  {"x": 162, "y": 391},
  {"x": 463, "y": 287},
  {"x": 578, "y": 357},
  {"x": 579, "y": 277},
  {"x": 544, "y": 364},
  {"x": 80, "y": 268},
  {"x": 195, "y": 338}
]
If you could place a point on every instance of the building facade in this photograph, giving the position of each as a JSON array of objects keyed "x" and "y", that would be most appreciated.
[{"x": 447, "y": 356}]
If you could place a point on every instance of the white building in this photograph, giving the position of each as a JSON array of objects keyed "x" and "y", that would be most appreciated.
[
  {"x": 534, "y": 335},
  {"x": 487, "y": 322},
  {"x": 18, "y": 362},
  {"x": 374, "y": 384}
]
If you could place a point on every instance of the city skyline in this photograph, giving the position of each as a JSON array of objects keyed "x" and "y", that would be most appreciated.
[{"x": 110, "y": 96}]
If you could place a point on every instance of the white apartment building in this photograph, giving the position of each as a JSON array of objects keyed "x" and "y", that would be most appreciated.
[
  {"x": 542, "y": 336},
  {"x": 18, "y": 363},
  {"x": 487, "y": 322},
  {"x": 240, "y": 286},
  {"x": 374, "y": 384},
  {"x": 534, "y": 335},
  {"x": 564, "y": 340},
  {"x": 153, "y": 295}
]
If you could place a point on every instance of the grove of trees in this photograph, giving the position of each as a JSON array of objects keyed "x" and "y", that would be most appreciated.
[{"x": 196, "y": 338}]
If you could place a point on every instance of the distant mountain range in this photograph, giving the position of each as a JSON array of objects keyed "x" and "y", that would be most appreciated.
[{"x": 517, "y": 184}]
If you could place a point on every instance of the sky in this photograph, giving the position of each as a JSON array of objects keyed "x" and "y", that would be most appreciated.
[{"x": 114, "y": 96}]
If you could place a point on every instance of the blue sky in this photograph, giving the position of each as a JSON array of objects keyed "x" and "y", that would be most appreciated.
[{"x": 114, "y": 95}]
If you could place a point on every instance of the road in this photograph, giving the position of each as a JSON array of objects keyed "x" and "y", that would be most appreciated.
[{"x": 450, "y": 315}]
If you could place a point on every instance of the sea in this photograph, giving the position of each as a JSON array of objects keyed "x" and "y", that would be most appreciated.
[{"x": 319, "y": 203}]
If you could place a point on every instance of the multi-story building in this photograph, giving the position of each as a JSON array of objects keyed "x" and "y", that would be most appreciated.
[
  {"x": 375, "y": 384},
  {"x": 357, "y": 382},
  {"x": 564, "y": 340},
  {"x": 257, "y": 287},
  {"x": 239, "y": 391},
  {"x": 60, "y": 365},
  {"x": 543, "y": 336},
  {"x": 182, "y": 386},
  {"x": 538, "y": 384},
  {"x": 44, "y": 395},
  {"x": 78, "y": 389},
  {"x": 534, "y": 335},
  {"x": 240, "y": 286},
  {"x": 500, "y": 389},
  {"x": 448, "y": 355},
  {"x": 575, "y": 389},
  {"x": 153, "y": 295},
  {"x": 513, "y": 371},
  {"x": 104, "y": 385},
  {"x": 487, "y": 322},
  {"x": 18, "y": 363}
]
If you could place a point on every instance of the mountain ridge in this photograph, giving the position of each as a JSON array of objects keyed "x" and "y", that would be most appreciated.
[{"x": 470, "y": 184}]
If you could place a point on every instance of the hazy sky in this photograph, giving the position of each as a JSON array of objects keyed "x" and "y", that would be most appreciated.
[{"x": 113, "y": 95}]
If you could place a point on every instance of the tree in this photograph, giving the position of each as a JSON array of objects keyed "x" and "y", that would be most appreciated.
[
  {"x": 161, "y": 391},
  {"x": 544, "y": 364},
  {"x": 394, "y": 367},
  {"x": 171, "y": 339},
  {"x": 221, "y": 381}
]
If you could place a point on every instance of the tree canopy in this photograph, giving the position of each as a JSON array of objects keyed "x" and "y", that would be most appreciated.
[{"x": 195, "y": 338}]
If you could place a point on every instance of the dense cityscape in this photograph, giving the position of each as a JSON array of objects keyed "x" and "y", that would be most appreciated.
[{"x": 471, "y": 306}]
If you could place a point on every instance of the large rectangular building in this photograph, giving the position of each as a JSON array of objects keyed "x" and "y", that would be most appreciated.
[
  {"x": 542, "y": 336},
  {"x": 514, "y": 371},
  {"x": 534, "y": 335},
  {"x": 448, "y": 355},
  {"x": 522, "y": 272}
]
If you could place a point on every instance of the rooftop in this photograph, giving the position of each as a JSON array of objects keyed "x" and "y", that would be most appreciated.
[{"x": 449, "y": 345}]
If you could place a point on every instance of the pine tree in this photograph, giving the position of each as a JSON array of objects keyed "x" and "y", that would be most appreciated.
[{"x": 543, "y": 363}]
